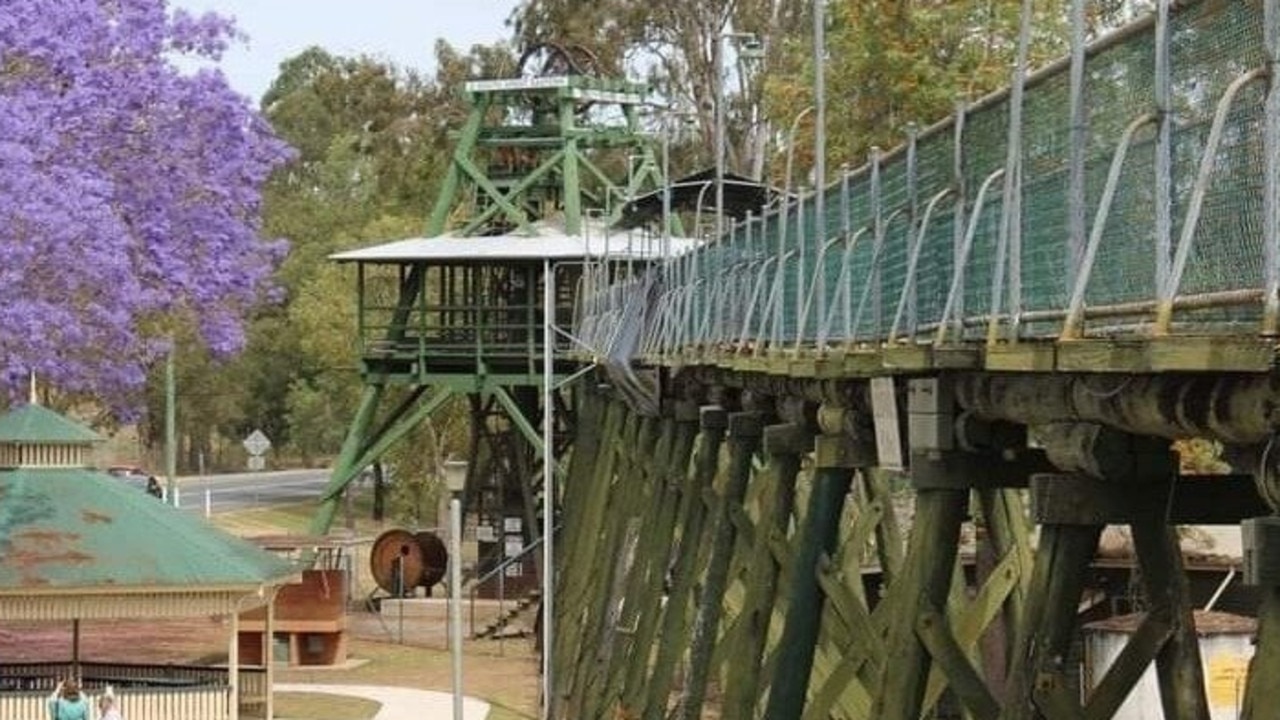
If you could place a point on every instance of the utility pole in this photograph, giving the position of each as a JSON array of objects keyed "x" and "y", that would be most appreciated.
[{"x": 170, "y": 429}]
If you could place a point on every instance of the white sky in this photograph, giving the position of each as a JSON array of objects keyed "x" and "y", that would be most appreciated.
[{"x": 402, "y": 31}]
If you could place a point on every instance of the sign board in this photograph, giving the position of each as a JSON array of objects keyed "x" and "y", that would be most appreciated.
[
  {"x": 500, "y": 84},
  {"x": 884, "y": 410},
  {"x": 257, "y": 443},
  {"x": 257, "y": 462},
  {"x": 512, "y": 524},
  {"x": 513, "y": 546},
  {"x": 485, "y": 533}
]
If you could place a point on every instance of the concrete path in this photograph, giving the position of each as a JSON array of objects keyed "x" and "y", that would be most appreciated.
[{"x": 399, "y": 703}]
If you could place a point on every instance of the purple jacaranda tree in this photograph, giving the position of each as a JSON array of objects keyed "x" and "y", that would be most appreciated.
[{"x": 129, "y": 193}]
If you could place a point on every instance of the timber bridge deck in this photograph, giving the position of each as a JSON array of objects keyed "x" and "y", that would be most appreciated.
[{"x": 1017, "y": 310}]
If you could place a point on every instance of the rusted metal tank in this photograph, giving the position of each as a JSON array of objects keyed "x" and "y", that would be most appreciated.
[{"x": 402, "y": 560}]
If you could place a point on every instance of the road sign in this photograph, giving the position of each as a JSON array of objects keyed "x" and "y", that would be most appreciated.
[
  {"x": 257, "y": 443},
  {"x": 257, "y": 462}
]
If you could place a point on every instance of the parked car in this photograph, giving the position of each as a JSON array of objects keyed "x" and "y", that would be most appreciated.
[{"x": 131, "y": 475}]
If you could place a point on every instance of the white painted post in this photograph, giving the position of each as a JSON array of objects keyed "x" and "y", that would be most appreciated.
[
  {"x": 455, "y": 604},
  {"x": 233, "y": 663},
  {"x": 208, "y": 502}
]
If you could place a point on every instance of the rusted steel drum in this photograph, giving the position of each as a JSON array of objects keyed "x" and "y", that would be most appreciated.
[
  {"x": 421, "y": 557},
  {"x": 435, "y": 558}
]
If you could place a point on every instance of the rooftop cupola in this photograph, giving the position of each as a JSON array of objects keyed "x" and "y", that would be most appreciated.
[{"x": 34, "y": 437}]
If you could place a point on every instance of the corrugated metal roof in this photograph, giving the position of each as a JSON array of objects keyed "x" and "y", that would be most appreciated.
[
  {"x": 84, "y": 530},
  {"x": 546, "y": 241},
  {"x": 37, "y": 424}
]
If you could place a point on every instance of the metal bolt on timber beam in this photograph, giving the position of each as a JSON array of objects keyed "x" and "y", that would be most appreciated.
[
  {"x": 1130, "y": 480},
  {"x": 713, "y": 420},
  {"x": 1047, "y": 626},
  {"x": 835, "y": 457},
  {"x": 744, "y": 440},
  {"x": 1234, "y": 408}
]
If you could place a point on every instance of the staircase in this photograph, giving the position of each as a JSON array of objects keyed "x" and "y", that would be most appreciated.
[{"x": 518, "y": 619}]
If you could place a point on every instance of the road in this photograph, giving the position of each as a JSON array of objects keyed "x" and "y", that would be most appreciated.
[{"x": 237, "y": 491}]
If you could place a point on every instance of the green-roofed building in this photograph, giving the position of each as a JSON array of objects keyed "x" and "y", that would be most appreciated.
[{"x": 78, "y": 545}]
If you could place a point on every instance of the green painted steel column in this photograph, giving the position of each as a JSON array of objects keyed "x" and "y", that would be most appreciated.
[
  {"x": 923, "y": 585},
  {"x": 818, "y": 538},
  {"x": 674, "y": 641},
  {"x": 572, "y": 198},
  {"x": 783, "y": 445},
  {"x": 349, "y": 454},
  {"x": 676, "y": 479},
  {"x": 449, "y": 188},
  {"x": 744, "y": 440}
]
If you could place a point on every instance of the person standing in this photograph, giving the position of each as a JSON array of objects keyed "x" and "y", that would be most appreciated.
[
  {"x": 67, "y": 702},
  {"x": 108, "y": 708}
]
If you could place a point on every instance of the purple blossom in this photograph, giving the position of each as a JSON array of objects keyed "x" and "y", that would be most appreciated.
[{"x": 129, "y": 192}]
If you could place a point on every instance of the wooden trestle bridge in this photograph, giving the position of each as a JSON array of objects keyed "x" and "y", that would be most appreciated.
[{"x": 1015, "y": 314}]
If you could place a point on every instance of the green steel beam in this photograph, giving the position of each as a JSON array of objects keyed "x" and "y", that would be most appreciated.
[
  {"x": 482, "y": 181},
  {"x": 398, "y": 426},
  {"x": 449, "y": 188},
  {"x": 572, "y": 197},
  {"x": 342, "y": 470},
  {"x": 516, "y": 191}
]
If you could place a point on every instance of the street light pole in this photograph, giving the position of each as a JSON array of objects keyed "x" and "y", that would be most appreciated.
[
  {"x": 455, "y": 479},
  {"x": 548, "y": 484},
  {"x": 171, "y": 428},
  {"x": 820, "y": 155},
  {"x": 718, "y": 61}
]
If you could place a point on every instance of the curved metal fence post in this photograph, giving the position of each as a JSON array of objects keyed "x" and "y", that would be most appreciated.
[
  {"x": 955, "y": 294},
  {"x": 1073, "y": 326},
  {"x": 908, "y": 288},
  {"x": 1168, "y": 292}
]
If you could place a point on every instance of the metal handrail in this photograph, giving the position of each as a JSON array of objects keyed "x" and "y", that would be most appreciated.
[{"x": 497, "y": 571}]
